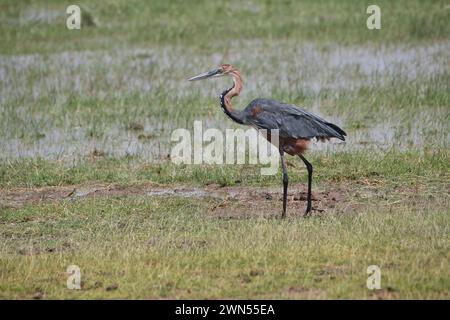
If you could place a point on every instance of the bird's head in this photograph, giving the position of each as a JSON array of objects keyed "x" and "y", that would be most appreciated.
[{"x": 223, "y": 70}]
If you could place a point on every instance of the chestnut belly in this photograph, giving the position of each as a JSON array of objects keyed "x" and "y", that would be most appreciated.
[
  {"x": 291, "y": 146},
  {"x": 294, "y": 146}
]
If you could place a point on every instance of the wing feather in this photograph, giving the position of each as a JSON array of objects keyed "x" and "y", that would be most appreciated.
[{"x": 291, "y": 121}]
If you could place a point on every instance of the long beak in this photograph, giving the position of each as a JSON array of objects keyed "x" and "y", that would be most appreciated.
[{"x": 209, "y": 74}]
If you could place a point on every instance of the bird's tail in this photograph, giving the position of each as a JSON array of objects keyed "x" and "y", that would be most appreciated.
[{"x": 340, "y": 133}]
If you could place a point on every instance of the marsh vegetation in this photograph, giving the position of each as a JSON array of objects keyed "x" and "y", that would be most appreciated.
[{"x": 85, "y": 178}]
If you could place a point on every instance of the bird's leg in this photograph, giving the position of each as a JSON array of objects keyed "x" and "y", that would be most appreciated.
[
  {"x": 285, "y": 183},
  {"x": 309, "y": 167}
]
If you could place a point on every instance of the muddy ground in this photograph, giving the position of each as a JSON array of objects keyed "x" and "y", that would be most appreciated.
[{"x": 262, "y": 200}]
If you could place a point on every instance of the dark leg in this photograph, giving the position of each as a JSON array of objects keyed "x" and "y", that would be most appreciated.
[
  {"x": 309, "y": 167},
  {"x": 285, "y": 183}
]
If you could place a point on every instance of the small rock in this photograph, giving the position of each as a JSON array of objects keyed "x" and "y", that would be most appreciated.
[
  {"x": 112, "y": 287},
  {"x": 38, "y": 295}
]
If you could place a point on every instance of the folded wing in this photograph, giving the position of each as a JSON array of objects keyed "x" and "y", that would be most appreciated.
[{"x": 290, "y": 120}]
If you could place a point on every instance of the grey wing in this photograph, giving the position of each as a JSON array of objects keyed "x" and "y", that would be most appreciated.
[{"x": 292, "y": 121}]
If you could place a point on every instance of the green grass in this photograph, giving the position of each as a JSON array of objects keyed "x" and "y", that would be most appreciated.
[
  {"x": 98, "y": 106},
  {"x": 400, "y": 167},
  {"x": 178, "y": 248},
  {"x": 210, "y": 26}
]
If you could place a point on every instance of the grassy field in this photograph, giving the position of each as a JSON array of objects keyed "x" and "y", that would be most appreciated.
[{"x": 86, "y": 178}]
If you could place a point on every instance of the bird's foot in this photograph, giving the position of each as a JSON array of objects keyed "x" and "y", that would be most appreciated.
[{"x": 309, "y": 210}]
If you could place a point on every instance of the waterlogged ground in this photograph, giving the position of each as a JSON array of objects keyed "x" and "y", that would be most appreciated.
[
  {"x": 86, "y": 177},
  {"x": 68, "y": 105}
]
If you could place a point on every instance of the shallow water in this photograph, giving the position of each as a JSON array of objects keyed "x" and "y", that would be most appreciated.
[{"x": 27, "y": 80}]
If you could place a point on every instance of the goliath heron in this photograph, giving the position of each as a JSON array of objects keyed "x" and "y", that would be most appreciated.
[{"x": 296, "y": 127}]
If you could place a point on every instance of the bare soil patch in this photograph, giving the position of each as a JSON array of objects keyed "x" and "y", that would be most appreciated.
[{"x": 233, "y": 201}]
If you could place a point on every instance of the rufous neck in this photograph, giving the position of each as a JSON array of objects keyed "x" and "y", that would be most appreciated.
[
  {"x": 235, "y": 90},
  {"x": 227, "y": 95}
]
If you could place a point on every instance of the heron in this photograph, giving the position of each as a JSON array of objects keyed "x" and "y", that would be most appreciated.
[{"x": 296, "y": 127}]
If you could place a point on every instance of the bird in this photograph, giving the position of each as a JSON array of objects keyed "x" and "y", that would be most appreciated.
[{"x": 296, "y": 127}]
